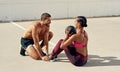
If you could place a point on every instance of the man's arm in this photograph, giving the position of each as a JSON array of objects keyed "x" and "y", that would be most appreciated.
[
  {"x": 36, "y": 40},
  {"x": 46, "y": 42}
]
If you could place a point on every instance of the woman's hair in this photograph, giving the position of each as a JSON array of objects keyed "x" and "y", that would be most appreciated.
[
  {"x": 71, "y": 29},
  {"x": 82, "y": 20}
]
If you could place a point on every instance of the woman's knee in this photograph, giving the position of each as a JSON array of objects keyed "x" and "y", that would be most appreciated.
[{"x": 60, "y": 40}]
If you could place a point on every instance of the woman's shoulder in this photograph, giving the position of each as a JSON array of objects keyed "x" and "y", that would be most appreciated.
[{"x": 75, "y": 36}]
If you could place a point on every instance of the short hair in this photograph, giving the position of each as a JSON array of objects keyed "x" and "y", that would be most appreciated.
[
  {"x": 71, "y": 29},
  {"x": 82, "y": 20},
  {"x": 44, "y": 16}
]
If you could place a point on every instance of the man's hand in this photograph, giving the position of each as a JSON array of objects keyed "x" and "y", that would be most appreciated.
[{"x": 45, "y": 58}]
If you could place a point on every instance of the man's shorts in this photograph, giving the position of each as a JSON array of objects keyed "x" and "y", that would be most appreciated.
[{"x": 26, "y": 42}]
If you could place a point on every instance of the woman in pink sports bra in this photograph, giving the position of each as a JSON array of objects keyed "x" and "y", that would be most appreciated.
[{"x": 74, "y": 44}]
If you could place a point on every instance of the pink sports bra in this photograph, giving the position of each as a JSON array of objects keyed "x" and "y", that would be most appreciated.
[{"x": 79, "y": 45}]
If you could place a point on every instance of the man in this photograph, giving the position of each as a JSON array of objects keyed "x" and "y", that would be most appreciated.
[{"x": 36, "y": 32}]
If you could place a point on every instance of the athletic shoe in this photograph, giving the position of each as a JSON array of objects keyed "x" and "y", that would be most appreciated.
[
  {"x": 22, "y": 51},
  {"x": 53, "y": 59}
]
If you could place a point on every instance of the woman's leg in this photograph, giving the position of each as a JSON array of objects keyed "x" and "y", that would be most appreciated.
[
  {"x": 74, "y": 57},
  {"x": 56, "y": 49}
]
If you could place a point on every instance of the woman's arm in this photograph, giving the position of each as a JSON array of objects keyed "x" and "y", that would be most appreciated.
[{"x": 67, "y": 40}]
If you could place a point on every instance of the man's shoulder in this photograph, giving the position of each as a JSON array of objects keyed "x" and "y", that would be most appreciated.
[{"x": 35, "y": 23}]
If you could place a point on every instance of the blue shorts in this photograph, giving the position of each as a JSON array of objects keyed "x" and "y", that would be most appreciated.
[{"x": 26, "y": 42}]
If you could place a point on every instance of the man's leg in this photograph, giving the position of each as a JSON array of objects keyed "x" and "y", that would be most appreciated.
[
  {"x": 49, "y": 38},
  {"x": 50, "y": 35},
  {"x": 32, "y": 52}
]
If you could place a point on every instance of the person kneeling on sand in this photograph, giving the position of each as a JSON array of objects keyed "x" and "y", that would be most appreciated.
[{"x": 36, "y": 32}]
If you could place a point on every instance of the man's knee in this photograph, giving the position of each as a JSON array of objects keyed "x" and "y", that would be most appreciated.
[
  {"x": 50, "y": 35},
  {"x": 32, "y": 52},
  {"x": 36, "y": 58}
]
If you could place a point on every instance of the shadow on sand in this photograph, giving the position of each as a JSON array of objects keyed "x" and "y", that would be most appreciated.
[{"x": 94, "y": 60}]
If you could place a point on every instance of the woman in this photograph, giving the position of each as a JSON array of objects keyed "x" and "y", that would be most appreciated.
[{"x": 74, "y": 44}]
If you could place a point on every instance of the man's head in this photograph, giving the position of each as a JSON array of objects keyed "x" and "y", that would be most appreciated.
[{"x": 46, "y": 18}]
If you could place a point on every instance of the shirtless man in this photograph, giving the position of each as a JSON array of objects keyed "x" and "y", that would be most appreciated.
[{"x": 36, "y": 32}]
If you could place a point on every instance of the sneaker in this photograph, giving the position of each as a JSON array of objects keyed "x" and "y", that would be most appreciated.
[
  {"x": 22, "y": 51},
  {"x": 53, "y": 59}
]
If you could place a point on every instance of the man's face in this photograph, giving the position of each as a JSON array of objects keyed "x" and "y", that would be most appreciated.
[{"x": 47, "y": 21}]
